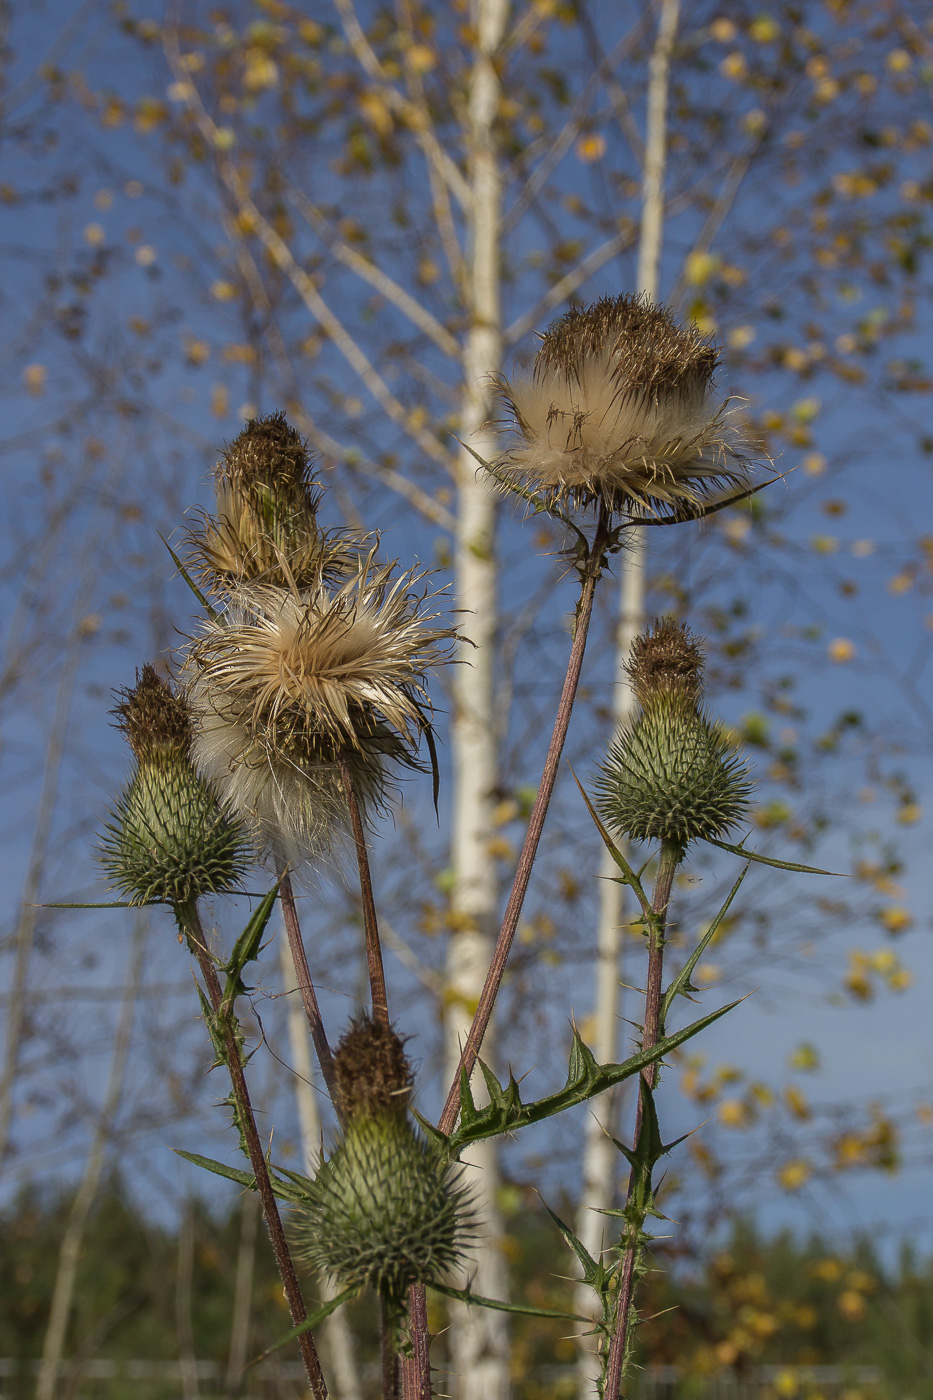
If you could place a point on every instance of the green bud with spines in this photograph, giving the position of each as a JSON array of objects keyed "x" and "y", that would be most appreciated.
[
  {"x": 170, "y": 838},
  {"x": 671, "y": 774},
  {"x": 383, "y": 1211}
]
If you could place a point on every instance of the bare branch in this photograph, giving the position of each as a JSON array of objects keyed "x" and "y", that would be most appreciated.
[
  {"x": 567, "y": 285},
  {"x": 303, "y": 283},
  {"x": 414, "y": 118},
  {"x": 419, "y": 315}
]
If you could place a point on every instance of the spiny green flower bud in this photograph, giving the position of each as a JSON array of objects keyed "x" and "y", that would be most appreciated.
[
  {"x": 383, "y": 1211},
  {"x": 266, "y": 528},
  {"x": 169, "y": 837},
  {"x": 671, "y": 774}
]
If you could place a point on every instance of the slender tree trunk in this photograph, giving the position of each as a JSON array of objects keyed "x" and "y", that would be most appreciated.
[
  {"x": 187, "y": 1356},
  {"x": 600, "y": 1157},
  {"x": 337, "y": 1338},
  {"x": 478, "y": 1338},
  {"x": 251, "y": 1209},
  {"x": 69, "y": 1253}
]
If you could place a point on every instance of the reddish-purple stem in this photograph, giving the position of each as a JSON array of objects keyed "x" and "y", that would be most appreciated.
[
  {"x": 500, "y": 957},
  {"x": 305, "y": 985},
  {"x": 191, "y": 924},
  {"x": 377, "y": 977},
  {"x": 416, "y": 1369}
]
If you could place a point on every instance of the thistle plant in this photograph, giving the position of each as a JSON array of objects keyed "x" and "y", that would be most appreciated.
[{"x": 305, "y": 697}]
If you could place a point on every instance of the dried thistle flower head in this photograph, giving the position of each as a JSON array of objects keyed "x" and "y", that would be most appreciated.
[
  {"x": 265, "y": 526},
  {"x": 620, "y": 409},
  {"x": 170, "y": 838},
  {"x": 384, "y": 1211},
  {"x": 666, "y": 658},
  {"x": 288, "y": 682},
  {"x": 372, "y": 1075},
  {"x": 154, "y": 720}
]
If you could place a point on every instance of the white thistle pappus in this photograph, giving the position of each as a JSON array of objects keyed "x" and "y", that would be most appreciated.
[
  {"x": 620, "y": 409},
  {"x": 286, "y": 683}
]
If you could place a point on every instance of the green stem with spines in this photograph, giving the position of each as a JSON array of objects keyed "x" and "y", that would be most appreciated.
[
  {"x": 225, "y": 1036},
  {"x": 620, "y": 1336}
]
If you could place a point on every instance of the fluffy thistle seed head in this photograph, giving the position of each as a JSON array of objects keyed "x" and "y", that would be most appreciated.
[
  {"x": 672, "y": 776},
  {"x": 265, "y": 527},
  {"x": 667, "y": 659},
  {"x": 286, "y": 682},
  {"x": 169, "y": 837},
  {"x": 620, "y": 409}
]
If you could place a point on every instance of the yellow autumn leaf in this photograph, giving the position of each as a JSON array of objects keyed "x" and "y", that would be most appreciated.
[
  {"x": 591, "y": 147},
  {"x": 841, "y": 649}
]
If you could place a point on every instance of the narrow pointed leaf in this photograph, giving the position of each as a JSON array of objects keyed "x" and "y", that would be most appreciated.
[
  {"x": 631, "y": 879},
  {"x": 246, "y": 947},
  {"x": 218, "y": 1168},
  {"x": 433, "y": 1133},
  {"x": 769, "y": 860},
  {"x": 681, "y": 983},
  {"x": 212, "y": 612},
  {"x": 588, "y": 1263},
  {"x": 110, "y": 904},
  {"x": 466, "y": 1295},
  {"x": 322, "y": 1313}
]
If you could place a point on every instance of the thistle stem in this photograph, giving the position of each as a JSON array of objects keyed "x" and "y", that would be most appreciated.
[
  {"x": 377, "y": 977},
  {"x": 190, "y": 924},
  {"x": 303, "y": 978},
  {"x": 671, "y": 856},
  {"x": 590, "y": 571},
  {"x": 416, "y": 1369},
  {"x": 390, "y": 1365}
]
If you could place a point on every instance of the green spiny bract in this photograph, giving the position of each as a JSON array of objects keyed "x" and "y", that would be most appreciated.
[
  {"x": 673, "y": 776},
  {"x": 382, "y": 1211},
  {"x": 170, "y": 837}
]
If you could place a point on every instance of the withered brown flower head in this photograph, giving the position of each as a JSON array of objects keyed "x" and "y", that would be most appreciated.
[
  {"x": 666, "y": 659},
  {"x": 265, "y": 527},
  {"x": 620, "y": 409},
  {"x": 372, "y": 1075},
  {"x": 287, "y": 683},
  {"x": 269, "y": 455},
  {"x": 154, "y": 720}
]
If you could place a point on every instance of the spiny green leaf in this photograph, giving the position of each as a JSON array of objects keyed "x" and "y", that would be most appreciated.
[
  {"x": 681, "y": 983},
  {"x": 510, "y": 1113},
  {"x": 323, "y": 1312},
  {"x": 769, "y": 860}
]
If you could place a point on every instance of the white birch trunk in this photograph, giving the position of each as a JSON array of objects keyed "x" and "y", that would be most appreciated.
[
  {"x": 600, "y": 1157},
  {"x": 343, "y": 1372},
  {"x": 478, "y": 1338}
]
